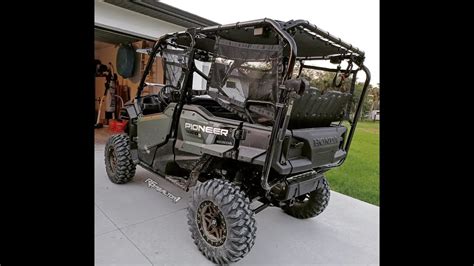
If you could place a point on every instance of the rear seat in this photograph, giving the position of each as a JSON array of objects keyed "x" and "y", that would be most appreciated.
[
  {"x": 316, "y": 109},
  {"x": 312, "y": 109}
]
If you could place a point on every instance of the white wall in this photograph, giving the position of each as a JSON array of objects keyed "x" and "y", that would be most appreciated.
[{"x": 116, "y": 18}]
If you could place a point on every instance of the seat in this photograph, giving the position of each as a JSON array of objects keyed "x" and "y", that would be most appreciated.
[
  {"x": 312, "y": 109},
  {"x": 151, "y": 105},
  {"x": 316, "y": 109}
]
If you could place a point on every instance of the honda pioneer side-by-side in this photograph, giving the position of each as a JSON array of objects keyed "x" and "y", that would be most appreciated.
[{"x": 240, "y": 119}]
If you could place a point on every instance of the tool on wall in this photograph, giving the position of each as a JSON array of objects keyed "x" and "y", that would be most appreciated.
[{"x": 109, "y": 93}]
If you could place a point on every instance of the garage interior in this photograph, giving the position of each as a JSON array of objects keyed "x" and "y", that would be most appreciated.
[{"x": 107, "y": 44}]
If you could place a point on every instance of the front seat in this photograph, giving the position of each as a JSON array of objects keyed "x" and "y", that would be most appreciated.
[{"x": 151, "y": 105}]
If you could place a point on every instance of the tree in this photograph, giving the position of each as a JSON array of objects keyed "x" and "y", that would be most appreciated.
[
  {"x": 375, "y": 93},
  {"x": 355, "y": 99},
  {"x": 323, "y": 80}
]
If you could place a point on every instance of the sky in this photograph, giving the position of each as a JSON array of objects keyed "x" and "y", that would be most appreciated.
[{"x": 354, "y": 21}]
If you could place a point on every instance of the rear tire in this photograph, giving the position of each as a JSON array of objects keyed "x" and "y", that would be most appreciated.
[
  {"x": 312, "y": 204},
  {"x": 118, "y": 161},
  {"x": 221, "y": 221}
]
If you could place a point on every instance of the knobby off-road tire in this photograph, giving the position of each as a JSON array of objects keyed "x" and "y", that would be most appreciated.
[
  {"x": 118, "y": 161},
  {"x": 222, "y": 204},
  {"x": 312, "y": 204}
]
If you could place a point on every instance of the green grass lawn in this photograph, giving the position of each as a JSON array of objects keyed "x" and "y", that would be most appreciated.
[{"x": 358, "y": 177}]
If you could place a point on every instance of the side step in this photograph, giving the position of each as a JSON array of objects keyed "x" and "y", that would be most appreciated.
[
  {"x": 185, "y": 183},
  {"x": 178, "y": 181},
  {"x": 175, "y": 180}
]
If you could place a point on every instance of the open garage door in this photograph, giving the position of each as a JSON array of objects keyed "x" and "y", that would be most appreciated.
[{"x": 116, "y": 50}]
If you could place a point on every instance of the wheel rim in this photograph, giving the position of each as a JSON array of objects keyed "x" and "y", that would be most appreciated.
[
  {"x": 211, "y": 223},
  {"x": 112, "y": 159}
]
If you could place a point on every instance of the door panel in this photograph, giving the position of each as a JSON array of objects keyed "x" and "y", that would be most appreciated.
[{"x": 152, "y": 132}]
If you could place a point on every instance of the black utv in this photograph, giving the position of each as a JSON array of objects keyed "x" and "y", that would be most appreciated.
[{"x": 238, "y": 119}]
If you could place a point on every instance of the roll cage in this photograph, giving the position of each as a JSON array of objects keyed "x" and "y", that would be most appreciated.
[{"x": 301, "y": 42}]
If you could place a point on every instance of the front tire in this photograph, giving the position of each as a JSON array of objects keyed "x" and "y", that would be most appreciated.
[
  {"x": 221, "y": 221},
  {"x": 311, "y": 204},
  {"x": 118, "y": 160}
]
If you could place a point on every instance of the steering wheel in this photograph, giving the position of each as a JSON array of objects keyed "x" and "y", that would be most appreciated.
[
  {"x": 158, "y": 102},
  {"x": 168, "y": 94}
]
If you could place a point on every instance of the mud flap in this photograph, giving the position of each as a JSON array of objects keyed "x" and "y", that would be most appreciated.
[{"x": 134, "y": 154}]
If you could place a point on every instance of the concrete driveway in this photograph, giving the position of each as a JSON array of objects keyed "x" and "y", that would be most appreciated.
[{"x": 136, "y": 225}]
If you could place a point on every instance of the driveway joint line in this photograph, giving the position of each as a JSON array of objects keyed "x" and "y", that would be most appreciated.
[{"x": 126, "y": 236}]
